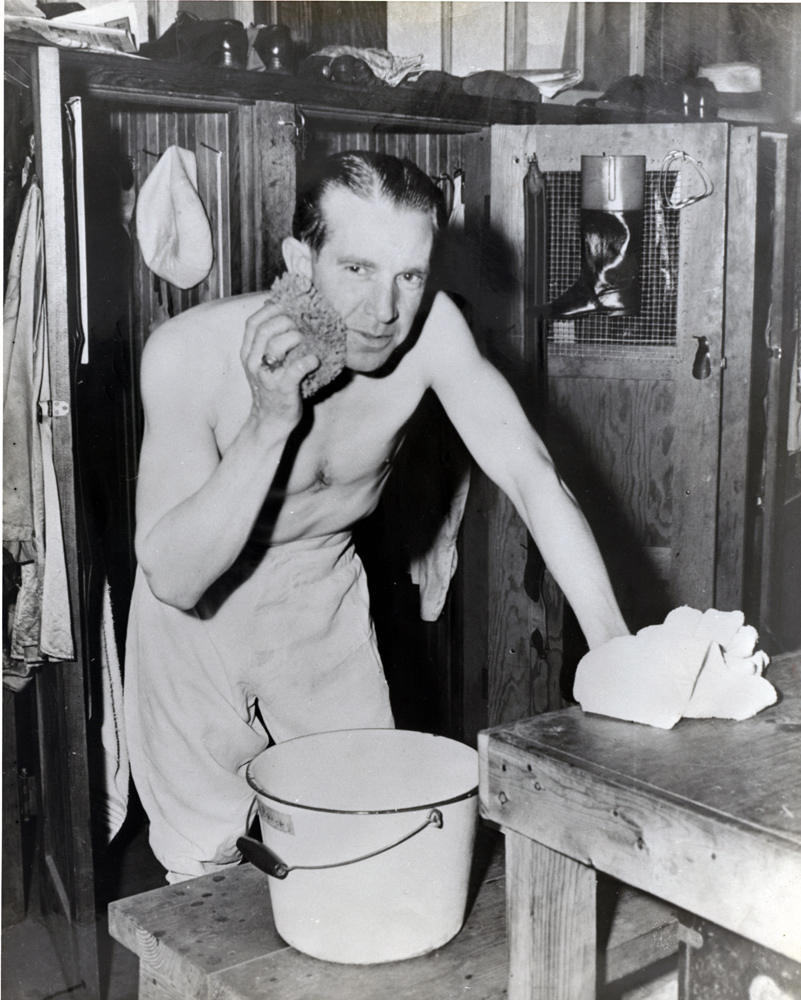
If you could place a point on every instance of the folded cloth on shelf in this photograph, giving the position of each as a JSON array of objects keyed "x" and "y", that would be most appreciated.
[
  {"x": 387, "y": 67},
  {"x": 695, "y": 665},
  {"x": 499, "y": 86}
]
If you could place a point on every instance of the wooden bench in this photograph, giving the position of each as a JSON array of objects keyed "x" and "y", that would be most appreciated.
[{"x": 213, "y": 938}]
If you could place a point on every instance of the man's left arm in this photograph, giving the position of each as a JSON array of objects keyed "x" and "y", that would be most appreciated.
[{"x": 485, "y": 411}]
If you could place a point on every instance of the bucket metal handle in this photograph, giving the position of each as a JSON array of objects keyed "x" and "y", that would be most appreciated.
[{"x": 268, "y": 861}]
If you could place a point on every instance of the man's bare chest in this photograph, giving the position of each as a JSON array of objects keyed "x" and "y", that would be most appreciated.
[{"x": 345, "y": 441}]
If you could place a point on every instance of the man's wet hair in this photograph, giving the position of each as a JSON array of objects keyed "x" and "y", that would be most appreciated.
[{"x": 367, "y": 175}]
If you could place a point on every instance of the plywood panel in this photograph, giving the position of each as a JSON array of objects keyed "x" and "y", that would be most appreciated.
[
  {"x": 144, "y": 136},
  {"x": 267, "y": 193}
]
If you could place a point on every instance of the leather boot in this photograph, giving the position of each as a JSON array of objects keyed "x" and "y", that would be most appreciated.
[
  {"x": 612, "y": 192},
  {"x": 209, "y": 42}
]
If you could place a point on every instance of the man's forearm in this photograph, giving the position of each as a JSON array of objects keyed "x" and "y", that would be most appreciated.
[
  {"x": 571, "y": 553},
  {"x": 200, "y": 538}
]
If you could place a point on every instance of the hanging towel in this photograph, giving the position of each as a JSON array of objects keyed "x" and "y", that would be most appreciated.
[
  {"x": 434, "y": 570},
  {"x": 32, "y": 534},
  {"x": 110, "y": 798}
]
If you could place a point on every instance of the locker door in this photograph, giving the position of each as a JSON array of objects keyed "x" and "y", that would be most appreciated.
[
  {"x": 634, "y": 433},
  {"x": 66, "y": 877}
]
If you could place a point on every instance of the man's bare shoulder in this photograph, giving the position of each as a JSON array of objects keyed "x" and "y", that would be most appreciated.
[
  {"x": 188, "y": 360},
  {"x": 446, "y": 336},
  {"x": 209, "y": 334},
  {"x": 210, "y": 325}
]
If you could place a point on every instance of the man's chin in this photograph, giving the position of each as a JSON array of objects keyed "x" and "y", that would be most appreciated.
[{"x": 370, "y": 362}]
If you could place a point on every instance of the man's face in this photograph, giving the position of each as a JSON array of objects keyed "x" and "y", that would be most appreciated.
[{"x": 372, "y": 268}]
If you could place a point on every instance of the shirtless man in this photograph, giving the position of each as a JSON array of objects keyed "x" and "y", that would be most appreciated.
[{"x": 248, "y": 593}]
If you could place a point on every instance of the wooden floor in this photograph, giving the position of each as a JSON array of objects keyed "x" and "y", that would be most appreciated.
[{"x": 30, "y": 968}]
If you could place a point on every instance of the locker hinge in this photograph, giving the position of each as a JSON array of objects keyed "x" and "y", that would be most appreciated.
[
  {"x": 54, "y": 408},
  {"x": 28, "y": 795}
]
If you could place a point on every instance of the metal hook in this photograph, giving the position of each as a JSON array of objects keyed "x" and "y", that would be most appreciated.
[
  {"x": 299, "y": 139},
  {"x": 12, "y": 79},
  {"x": 213, "y": 150},
  {"x": 667, "y": 199}
]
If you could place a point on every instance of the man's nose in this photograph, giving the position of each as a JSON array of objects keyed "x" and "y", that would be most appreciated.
[{"x": 383, "y": 301}]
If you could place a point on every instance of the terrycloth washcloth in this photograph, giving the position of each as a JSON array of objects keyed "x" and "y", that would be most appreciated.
[
  {"x": 324, "y": 333},
  {"x": 696, "y": 664}
]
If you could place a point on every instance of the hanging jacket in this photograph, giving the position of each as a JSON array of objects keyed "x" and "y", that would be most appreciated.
[{"x": 32, "y": 534}]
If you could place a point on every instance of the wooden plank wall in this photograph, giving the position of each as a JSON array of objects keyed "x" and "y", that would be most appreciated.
[
  {"x": 435, "y": 153},
  {"x": 264, "y": 190},
  {"x": 736, "y": 417},
  {"x": 519, "y": 681},
  {"x": 635, "y": 435},
  {"x": 144, "y": 135},
  {"x": 240, "y": 157}
]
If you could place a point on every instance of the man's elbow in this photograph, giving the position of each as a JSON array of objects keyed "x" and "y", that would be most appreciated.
[{"x": 171, "y": 591}]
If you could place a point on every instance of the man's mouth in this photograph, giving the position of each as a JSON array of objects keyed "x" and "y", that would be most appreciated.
[{"x": 376, "y": 341}]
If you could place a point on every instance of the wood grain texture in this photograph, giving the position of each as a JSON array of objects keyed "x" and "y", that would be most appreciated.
[
  {"x": 215, "y": 939},
  {"x": 687, "y": 814},
  {"x": 191, "y": 84},
  {"x": 267, "y": 191},
  {"x": 144, "y": 134},
  {"x": 738, "y": 341},
  {"x": 185, "y": 933},
  {"x": 550, "y": 922},
  {"x": 153, "y": 987},
  {"x": 699, "y": 312},
  {"x": 623, "y": 429},
  {"x": 13, "y": 905},
  {"x": 474, "y": 536},
  {"x": 774, "y": 446},
  {"x": 67, "y": 881},
  {"x": 520, "y": 680}
]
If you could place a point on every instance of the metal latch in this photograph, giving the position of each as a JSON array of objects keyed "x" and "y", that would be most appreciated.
[{"x": 54, "y": 408}]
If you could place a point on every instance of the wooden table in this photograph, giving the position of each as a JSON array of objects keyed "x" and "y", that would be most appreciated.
[
  {"x": 706, "y": 816},
  {"x": 213, "y": 938}
]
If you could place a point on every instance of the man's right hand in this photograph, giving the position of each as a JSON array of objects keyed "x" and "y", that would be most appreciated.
[{"x": 273, "y": 377}]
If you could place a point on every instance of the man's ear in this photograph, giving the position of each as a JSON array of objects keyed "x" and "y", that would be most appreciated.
[{"x": 297, "y": 256}]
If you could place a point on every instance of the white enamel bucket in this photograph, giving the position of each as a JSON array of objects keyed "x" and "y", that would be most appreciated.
[{"x": 371, "y": 832}]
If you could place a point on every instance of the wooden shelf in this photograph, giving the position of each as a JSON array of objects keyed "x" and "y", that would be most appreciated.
[{"x": 140, "y": 80}]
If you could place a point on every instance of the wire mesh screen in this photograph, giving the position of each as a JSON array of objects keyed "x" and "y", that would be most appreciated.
[{"x": 614, "y": 336}]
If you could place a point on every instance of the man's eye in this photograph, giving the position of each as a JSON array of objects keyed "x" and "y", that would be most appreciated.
[
  {"x": 412, "y": 279},
  {"x": 355, "y": 269}
]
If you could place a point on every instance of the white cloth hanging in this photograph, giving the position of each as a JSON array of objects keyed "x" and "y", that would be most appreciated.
[
  {"x": 32, "y": 533},
  {"x": 110, "y": 796}
]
